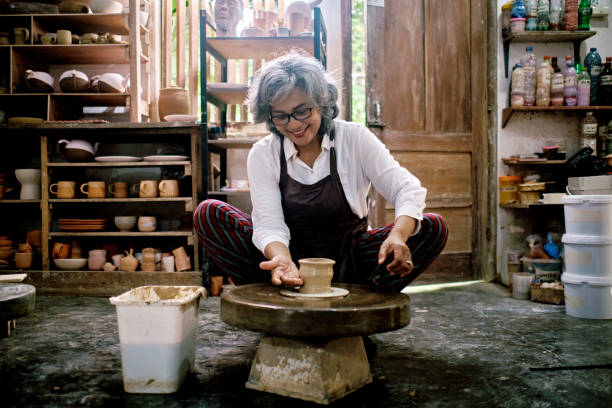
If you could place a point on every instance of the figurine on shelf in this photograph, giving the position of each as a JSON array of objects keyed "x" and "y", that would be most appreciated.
[
  {"x": 228, "y": 14},
  {"x": 298, "y": 15}
]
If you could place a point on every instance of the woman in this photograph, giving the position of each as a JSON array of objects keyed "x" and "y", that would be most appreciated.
[{"x": 309, "y": 183}]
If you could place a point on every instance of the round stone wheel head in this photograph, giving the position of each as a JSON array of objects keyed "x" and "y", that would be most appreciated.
[
  {"x": 16, "y": 300},
  {"x": 261, "y": 308}
]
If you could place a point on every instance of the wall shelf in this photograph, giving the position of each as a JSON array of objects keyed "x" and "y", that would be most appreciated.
[
  {"x": 513, "y": 162},
  {"x": 526, "y": 206},
  {"x": 508, "y": 112},
  {"x": 576, "y": 37}
]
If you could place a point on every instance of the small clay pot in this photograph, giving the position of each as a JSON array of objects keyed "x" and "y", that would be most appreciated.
[
  {"x": 173, "y": 101},
  {"x": 23, "y": 260},
  {"x": 128, "y": 263},
  {"x": 317, "y": 274}
]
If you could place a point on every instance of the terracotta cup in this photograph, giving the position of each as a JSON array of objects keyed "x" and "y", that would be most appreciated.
[
  {"x": 95, "y": 189},
  {"x": 182, "y": 263},
  {"x": 146, "y": 189},
  {"x": 60, "y": 250},
  {"x": 23, "y": 260},
  {"x": 64, "y": 37},
  {"x": 168, "y": 188},
  {"x": 21, "y": 35},
  {"x": 173, "y": 100},
  {"x": 4, "y": 189},
  {"x": 317, "y": 274},
  {"x": 147, "y": 224},
  {"x": 63, "y": 189},
  {"x": 119, "y": 189}
]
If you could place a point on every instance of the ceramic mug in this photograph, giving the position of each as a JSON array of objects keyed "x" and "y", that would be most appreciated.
[
  {"x": 23, "y": 260},
  {"x": 64, "y": 37},
  {"x": 168, "y": 188},
  {"x": 146, "y": 189},
  {"x": 168, "y": 263},
  {"x": 147, "y": 224},
  {"x": 89, "y": 38},
  {"x": 95, "y": 189},
  {"x": 48, "y": 38},
  {"x": 119, "y": 189},
  {"x": 60, "y": 250},
  {"x": 21, "y": 35},
  {"x": 63, "y": 189},
  {"x": 4, "y": 39}
]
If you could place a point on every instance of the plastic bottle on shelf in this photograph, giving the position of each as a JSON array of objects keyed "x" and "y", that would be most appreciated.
[
  {"x": 568, "y": 59},
  {"x": 588, "y": 132},
  {"x": 549, "y": 65},
  {"x": 528, "y": 62},
  {"x": 571, "y": 15},
  {"x": 517, "y": 16},
  {"x": 605, "y": 84},
  {"x": 543, "y": 15},
  {"x": 584, "y": 15},
  {"x": 602, "y": 140},
  {"x": 555, "y": 15},
  {"x": 578, "y": 65},
  {"x": 593, "y": 64},
  {"x": 517, "y": 93},
  {"x": 556, "y": 88},
  {"x": 543, "y": 85},
  {"x": 531, "y": 22},
  {"x": 583, "y": 88},
  {"x": 569, "y": 85}
]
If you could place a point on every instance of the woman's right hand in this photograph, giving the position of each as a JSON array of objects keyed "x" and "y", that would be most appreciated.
[{"x": 283, "y": 271}]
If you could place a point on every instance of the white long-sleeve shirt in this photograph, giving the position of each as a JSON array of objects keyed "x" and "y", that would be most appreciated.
[{"x": 362, "y": 160}]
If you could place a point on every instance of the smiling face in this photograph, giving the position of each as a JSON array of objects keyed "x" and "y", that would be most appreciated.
[{"x": 303, "y": 133}]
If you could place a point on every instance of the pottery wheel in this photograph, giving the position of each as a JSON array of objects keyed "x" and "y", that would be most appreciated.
[
  {"x": 16, "y": 300},
  {"x": 261, "y": 308},
  {"x": 334, "y": 292}
]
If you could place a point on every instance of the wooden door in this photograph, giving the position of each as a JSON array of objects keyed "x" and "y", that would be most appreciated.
[{"x": 425, "y": 93}]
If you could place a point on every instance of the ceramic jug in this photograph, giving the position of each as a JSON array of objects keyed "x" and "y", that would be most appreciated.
[
  {"x": 39, "y": 81},
  {"x": 76, "y": 149},
  {"x": 110, "y": 82}
]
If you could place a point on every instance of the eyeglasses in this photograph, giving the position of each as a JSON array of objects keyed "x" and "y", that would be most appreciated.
[{"x": 283, "y": 119}]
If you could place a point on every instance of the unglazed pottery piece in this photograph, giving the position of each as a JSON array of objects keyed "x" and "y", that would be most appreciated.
[{"x": 317, "y": 274}]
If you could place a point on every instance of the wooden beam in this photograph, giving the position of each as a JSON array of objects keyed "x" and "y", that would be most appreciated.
[
  {"x": 180, "y": 45},
  {"x": 347, "y": 67},
  {"x": 194, "y": 54}
]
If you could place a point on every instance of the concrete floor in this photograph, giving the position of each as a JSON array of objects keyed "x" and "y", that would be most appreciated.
[{"x": 471, "y": 346}]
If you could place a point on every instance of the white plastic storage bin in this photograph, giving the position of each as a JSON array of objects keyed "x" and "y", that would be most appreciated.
[
  {"x": 157, "y": 332},
  {"x": 588, "y": 214},
  {"x": 588, "y": 255},
  {"x": 587, "y": 296}
]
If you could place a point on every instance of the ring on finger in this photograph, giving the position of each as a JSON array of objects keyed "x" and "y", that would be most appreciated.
[{"x": 409, "y": 262}]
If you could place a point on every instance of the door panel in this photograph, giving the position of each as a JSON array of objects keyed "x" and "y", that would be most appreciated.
[{"x": 425, "y": 96}]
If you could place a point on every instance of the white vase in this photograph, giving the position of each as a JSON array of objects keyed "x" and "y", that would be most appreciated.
[{"x": 30, "y": 183}]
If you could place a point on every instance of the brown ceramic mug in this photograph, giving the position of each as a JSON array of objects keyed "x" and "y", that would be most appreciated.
[
  {"x": 95, "y": 189},
  {"x": 60, "y": 250},
  {"x": 146, "y": 189},
  {"x": 63, "y": 189},
  {"x": 119, "y": 189},
  {"x": 23, "y": 260},
  {"x": 168, "y": 188}
]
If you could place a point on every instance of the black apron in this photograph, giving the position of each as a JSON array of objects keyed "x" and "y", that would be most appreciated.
[{"x": 320, "y": 220}]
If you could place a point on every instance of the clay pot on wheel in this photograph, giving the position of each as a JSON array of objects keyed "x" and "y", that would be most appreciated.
[
  {"x": 317, "y": 274},
  {"x": 173, "y": 101}
]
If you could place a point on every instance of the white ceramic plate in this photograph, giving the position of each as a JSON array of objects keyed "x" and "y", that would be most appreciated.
[
  {"x": 167, "y": 157},
  {"x": 181, "y": 118},
  {"x": 16, "y": 278},
  {"x": 117, "y": 159}
]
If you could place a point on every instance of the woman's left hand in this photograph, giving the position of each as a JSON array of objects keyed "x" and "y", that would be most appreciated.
[{"x": 402, "y": 258}]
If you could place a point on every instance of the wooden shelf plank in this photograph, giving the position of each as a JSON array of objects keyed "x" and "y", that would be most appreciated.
[
  {"x": 549, "y": 36},
  {"x": 508, "y": 112},
  {"x": 78, "y": 53},
  {"x": 233, "y": 143},
  {"x": 228, "y": 193},
  {"x": 120, "y": 234},
  {"x": 512, "y": 162},
  {"x": 257, "y": 47},
  {"x": 228, "y": 93},
  {"x": 4, "y": 201},
  {"x": 120, "y": 200},
  {"x": 525, "y": 206},
  {"x": 85, "y": 99},
  {"x": 122, "y": 164}
]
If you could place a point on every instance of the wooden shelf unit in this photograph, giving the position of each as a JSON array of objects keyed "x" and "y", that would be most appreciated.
[
  {"x": 146, "y": 134},
  {"x": 508, "y": 112},
  {"x": 131, "y": 58}
]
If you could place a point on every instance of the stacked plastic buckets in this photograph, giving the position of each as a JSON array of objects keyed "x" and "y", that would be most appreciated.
[{"x": 588, "y": 256}]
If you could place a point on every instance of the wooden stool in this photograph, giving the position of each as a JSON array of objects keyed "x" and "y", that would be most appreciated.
[{"x": 313, "y": 348}]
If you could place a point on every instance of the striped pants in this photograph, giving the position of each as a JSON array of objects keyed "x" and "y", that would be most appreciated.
[{"x": 225, "y": 233}]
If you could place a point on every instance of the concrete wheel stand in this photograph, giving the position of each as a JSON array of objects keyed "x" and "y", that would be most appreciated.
[
  {"x": 313, "y": 348},
  {"x": 16, "y": 300}
]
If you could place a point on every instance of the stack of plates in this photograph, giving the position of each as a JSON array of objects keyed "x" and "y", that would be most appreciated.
[{"x": 81, "y": 224}]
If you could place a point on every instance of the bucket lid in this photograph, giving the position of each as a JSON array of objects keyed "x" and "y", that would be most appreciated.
[
  {"x": 588, "y": 198},
  {"x": 586, "y": 239},
  {"x": 590, "y": 280}
]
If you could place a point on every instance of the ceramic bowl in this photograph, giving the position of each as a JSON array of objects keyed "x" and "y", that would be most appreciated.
[
  {"x": 105, "y": 6},
  {"x": 126, "y": 223},
  {"x": 70, "y": 264}
]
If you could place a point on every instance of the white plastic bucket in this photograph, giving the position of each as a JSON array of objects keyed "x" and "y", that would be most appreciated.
[
  {"x": 157, "y": 332},
  {"x": 588, "y": 255},
  {"x": 521, "y": 285},
  {"x": 587, "y": 296},
  {"x": 588, "y": 214}
]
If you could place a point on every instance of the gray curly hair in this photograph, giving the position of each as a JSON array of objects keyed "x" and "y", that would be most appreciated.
[{"x": 279, "y": 77}]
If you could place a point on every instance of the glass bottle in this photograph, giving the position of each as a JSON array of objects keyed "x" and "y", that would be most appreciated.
[
  {"x": 554, "y": 64},
  {"x": 602, "y": 140},
  {"x": 588, "y": 132},
  {"x": 584, "y": 15},
  {"x": 556, "y": 88},
  {"x": 543, "y": 15},
  {"x": 583, "y": 88},
  {"x": 605, "y": 84}
]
